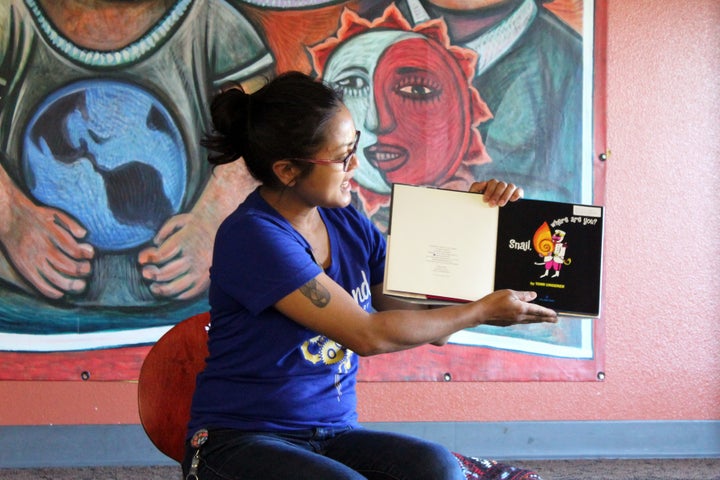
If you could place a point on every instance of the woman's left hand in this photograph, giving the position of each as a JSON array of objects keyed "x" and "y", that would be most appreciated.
[{"x": 497, "y": 193}]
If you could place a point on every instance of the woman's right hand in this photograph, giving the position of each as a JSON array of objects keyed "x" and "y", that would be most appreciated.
[{"x": 503, "y": 308}]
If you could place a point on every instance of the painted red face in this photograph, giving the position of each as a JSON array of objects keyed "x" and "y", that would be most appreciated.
[{"x": 423, "y": 107}]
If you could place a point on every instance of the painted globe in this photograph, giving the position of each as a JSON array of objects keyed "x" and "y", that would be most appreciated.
[{"x": 111, "y": 155}]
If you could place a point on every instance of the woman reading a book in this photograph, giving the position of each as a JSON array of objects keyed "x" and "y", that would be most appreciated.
[{"x": 296, "y": 296}]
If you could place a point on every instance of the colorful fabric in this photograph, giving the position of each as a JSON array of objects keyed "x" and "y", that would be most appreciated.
[{"x": 484, "y": 469}]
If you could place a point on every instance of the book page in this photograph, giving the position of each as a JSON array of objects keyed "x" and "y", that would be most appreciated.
[{"x": 441, "y": 244}]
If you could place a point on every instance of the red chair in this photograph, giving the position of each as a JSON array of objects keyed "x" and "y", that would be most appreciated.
[{"x": 167, "y": 381}]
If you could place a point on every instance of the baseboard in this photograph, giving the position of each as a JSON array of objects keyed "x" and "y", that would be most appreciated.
[{"x": 127, "y": 445}]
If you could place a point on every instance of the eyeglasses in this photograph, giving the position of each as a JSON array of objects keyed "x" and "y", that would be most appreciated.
[{"x": 345, "y": 160}]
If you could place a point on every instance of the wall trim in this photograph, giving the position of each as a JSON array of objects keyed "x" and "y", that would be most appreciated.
[{"x": 46, "y": 446}]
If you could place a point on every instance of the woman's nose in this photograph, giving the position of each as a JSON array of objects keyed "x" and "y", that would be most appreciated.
[{"x": 354, "y": 162}]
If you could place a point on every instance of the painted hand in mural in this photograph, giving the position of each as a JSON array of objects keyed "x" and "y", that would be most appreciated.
[
  {"x": 177, "y": 264},
  {"x": 44, "y": 245}
]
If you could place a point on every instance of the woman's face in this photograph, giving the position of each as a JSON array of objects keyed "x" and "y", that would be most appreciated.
[
  {"x": 328, "y": 185},
  {"x": 423, "y": 110}
]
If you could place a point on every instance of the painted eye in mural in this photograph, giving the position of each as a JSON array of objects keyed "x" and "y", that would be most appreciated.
[
  {"x": 418, "y": 91},
  {"x": 353, "y": 85}
]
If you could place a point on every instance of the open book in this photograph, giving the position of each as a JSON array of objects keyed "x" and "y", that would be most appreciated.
[{"x": 446, "y": 246}]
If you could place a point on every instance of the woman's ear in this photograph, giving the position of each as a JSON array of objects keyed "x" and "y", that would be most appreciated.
[{"x": 286, "y": 172}]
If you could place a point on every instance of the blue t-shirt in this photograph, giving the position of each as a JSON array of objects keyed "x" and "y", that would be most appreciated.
[{"x": 264, "y": 371}]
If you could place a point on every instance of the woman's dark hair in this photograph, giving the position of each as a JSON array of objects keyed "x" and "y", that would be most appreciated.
[{"x": 284, "y": 119}]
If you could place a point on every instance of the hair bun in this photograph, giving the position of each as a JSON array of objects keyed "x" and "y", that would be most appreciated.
[
  {"x": 230, "y": 117},
  {"x": 230, "y": 110}
]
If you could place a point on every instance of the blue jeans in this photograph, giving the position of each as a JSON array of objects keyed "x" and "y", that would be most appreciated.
[{"x": 321, "y": 454}]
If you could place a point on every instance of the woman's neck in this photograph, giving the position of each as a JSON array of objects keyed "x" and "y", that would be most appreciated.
[{"x": 304, "y": 218}]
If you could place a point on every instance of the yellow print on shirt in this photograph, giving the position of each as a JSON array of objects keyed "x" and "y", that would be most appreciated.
[{"x": 329, "y": 352}]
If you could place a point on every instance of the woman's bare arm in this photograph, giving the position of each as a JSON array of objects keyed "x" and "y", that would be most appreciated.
[{"x": 323, "y": 306}]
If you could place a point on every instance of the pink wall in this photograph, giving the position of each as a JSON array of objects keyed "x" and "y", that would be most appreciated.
[{"x": 662, "y": 314}]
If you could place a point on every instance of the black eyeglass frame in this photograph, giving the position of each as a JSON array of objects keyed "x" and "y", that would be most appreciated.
[{"x": 345, "y": 160}]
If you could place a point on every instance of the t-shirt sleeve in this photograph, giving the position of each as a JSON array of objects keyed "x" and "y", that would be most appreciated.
[{"x": 257, "y": 262}]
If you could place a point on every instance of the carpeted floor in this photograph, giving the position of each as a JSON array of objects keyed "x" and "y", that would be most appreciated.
[
  {"x": 667, "y": 469},
  {"x": 677, "y": 469}
]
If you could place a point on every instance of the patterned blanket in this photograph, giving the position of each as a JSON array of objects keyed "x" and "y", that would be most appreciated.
[{"x": 482, "y": 469}]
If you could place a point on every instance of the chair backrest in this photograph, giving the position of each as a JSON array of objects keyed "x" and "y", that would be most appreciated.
[{"x": 167, "y": 381}]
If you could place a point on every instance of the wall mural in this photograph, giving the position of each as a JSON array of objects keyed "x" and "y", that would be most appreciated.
[{"x": 109, "y": 207}]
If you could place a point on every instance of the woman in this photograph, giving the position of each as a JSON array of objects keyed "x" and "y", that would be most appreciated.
[{"x": 296, "y": 295}]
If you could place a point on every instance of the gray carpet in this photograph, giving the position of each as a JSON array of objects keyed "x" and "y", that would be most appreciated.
[
  {"x": 668, "y": 469},
  {"x": 677, "y": 469}
]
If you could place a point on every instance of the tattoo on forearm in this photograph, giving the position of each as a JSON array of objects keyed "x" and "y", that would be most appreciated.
[{"x": 318, "y": 295}]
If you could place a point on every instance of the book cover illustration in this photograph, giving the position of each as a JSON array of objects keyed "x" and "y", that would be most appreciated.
[{"x": 554, "y": 249}]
